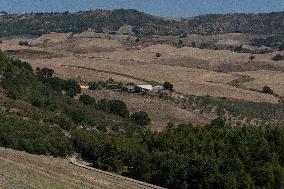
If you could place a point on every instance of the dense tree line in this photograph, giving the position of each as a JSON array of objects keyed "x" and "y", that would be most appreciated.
[
  {"x": 51, "y": 99},
  {"x": 215, "y": 156},
  {"x": 32, "y": 136},
  {"x": 276, "y": 41}
]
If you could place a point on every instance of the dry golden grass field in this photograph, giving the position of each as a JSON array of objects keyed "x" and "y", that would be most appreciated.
[
  {"x": 20, "y": 170},
  {"x": 192, "y": 71}
]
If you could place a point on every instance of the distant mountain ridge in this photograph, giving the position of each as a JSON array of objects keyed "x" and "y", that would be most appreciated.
[{"x": 143, "y": 24}]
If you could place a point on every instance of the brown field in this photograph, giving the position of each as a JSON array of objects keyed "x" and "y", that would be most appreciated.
[
  {"x": 268, "y": 78},
  {"x": 19, "y": 170},
  {"x": 160, "y": 111},
  {"x": 193, "y": 71}
]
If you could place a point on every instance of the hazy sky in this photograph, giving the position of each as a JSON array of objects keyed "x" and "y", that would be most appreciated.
[{"x": 178, "y": 8}]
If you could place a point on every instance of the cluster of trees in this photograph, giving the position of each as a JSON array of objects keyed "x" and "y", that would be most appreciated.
[
  {"x": 45, "y": 93},
  {"x": 70, "y": 87},
  {"x": 32, "y": 136},
  {"x": 214, "y": 156},
  {"x": 24, "y": 43},
  {"x": 267, "y": 90},
  {"x": 43, "y": 23},
  {"x": 276, "y": 41},
  {"x": 116, "y": 107},
  {"x": 278, "y": 57}
]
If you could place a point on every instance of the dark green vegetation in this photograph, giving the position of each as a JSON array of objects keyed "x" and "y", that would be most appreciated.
[
  {"x": 168, "y": 86},
  {"x": 143, "y": 24},
  {"x": 158, "y": 55},
  {"x": 113, "y": 106},
  {"x": 216, "y": 156},
  {"x": 24, "y": 43},
  {"x": 93, "y": 86},
  {"x": 274, "y": 41},
  {"x": 278, "y": 57},
  {"x": 32, "y": 136},
  {"x": 267, "y": 90},
  {"x": 37, "y": 117},
  {"x": 141, "y": 118}
]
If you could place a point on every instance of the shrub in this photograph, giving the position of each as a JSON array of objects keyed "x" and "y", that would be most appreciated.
[
  {"x": 44, "y": 74},
  {"x": 104, "y": 105},
  {"x": 93, "y": 86},
  {"x": 61, "y": 120},
  {"x": 24, "y": 43},
  {"x": 141, "y": 118},
  {"x": 158, "y": 55},
  {"x": 267, "y": 90},
  {"x": 78, "y": 115},
  {"x": 219, "y": 122},
  {"x": 86, "y": 99},
  {"x": 71, "y": 87},
  {"x": 180, "y": 44},
  {"x": 102, "y": 128},
  {"x": 119, "y": 107},
  {"x": 252, "y": 58},
  {"x": 278, "y": 57},
  {"x": 184, "y": 35},
  {"x": 168, "y": 86},
  {"x": 281, "y": 47}
]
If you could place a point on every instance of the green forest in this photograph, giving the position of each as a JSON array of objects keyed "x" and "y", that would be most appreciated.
[{"x": 40, "y": 115}]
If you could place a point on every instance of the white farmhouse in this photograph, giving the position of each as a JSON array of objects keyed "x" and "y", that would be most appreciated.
[{"x": 146, "y": 87}]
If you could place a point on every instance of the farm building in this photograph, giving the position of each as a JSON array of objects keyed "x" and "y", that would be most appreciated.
[
  {"x": 82, "y": 86},
  {"x": 157, "y": 88},
  {"x": 146, "y": 87},
  {"x": 129, "y": 88}
]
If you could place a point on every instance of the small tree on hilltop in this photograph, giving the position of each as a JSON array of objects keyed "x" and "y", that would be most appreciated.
[
  {"x": 180, "y": 44},
  {"x": 24, "y": 43},
  {"x": 278, "y": 57},
  {"x": 168, "y": 86},
  {"x": 252, "y": 57},
  {"x": 267, "y": 90},
  {"x": 141, "y": 118}
]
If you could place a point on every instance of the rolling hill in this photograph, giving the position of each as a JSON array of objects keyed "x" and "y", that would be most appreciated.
[{"x": 143, "y": 24}]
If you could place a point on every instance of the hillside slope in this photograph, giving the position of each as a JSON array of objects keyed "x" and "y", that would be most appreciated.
[
  {"x": 143, "y": 24},
  {"x": 22, "y": 170}
]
